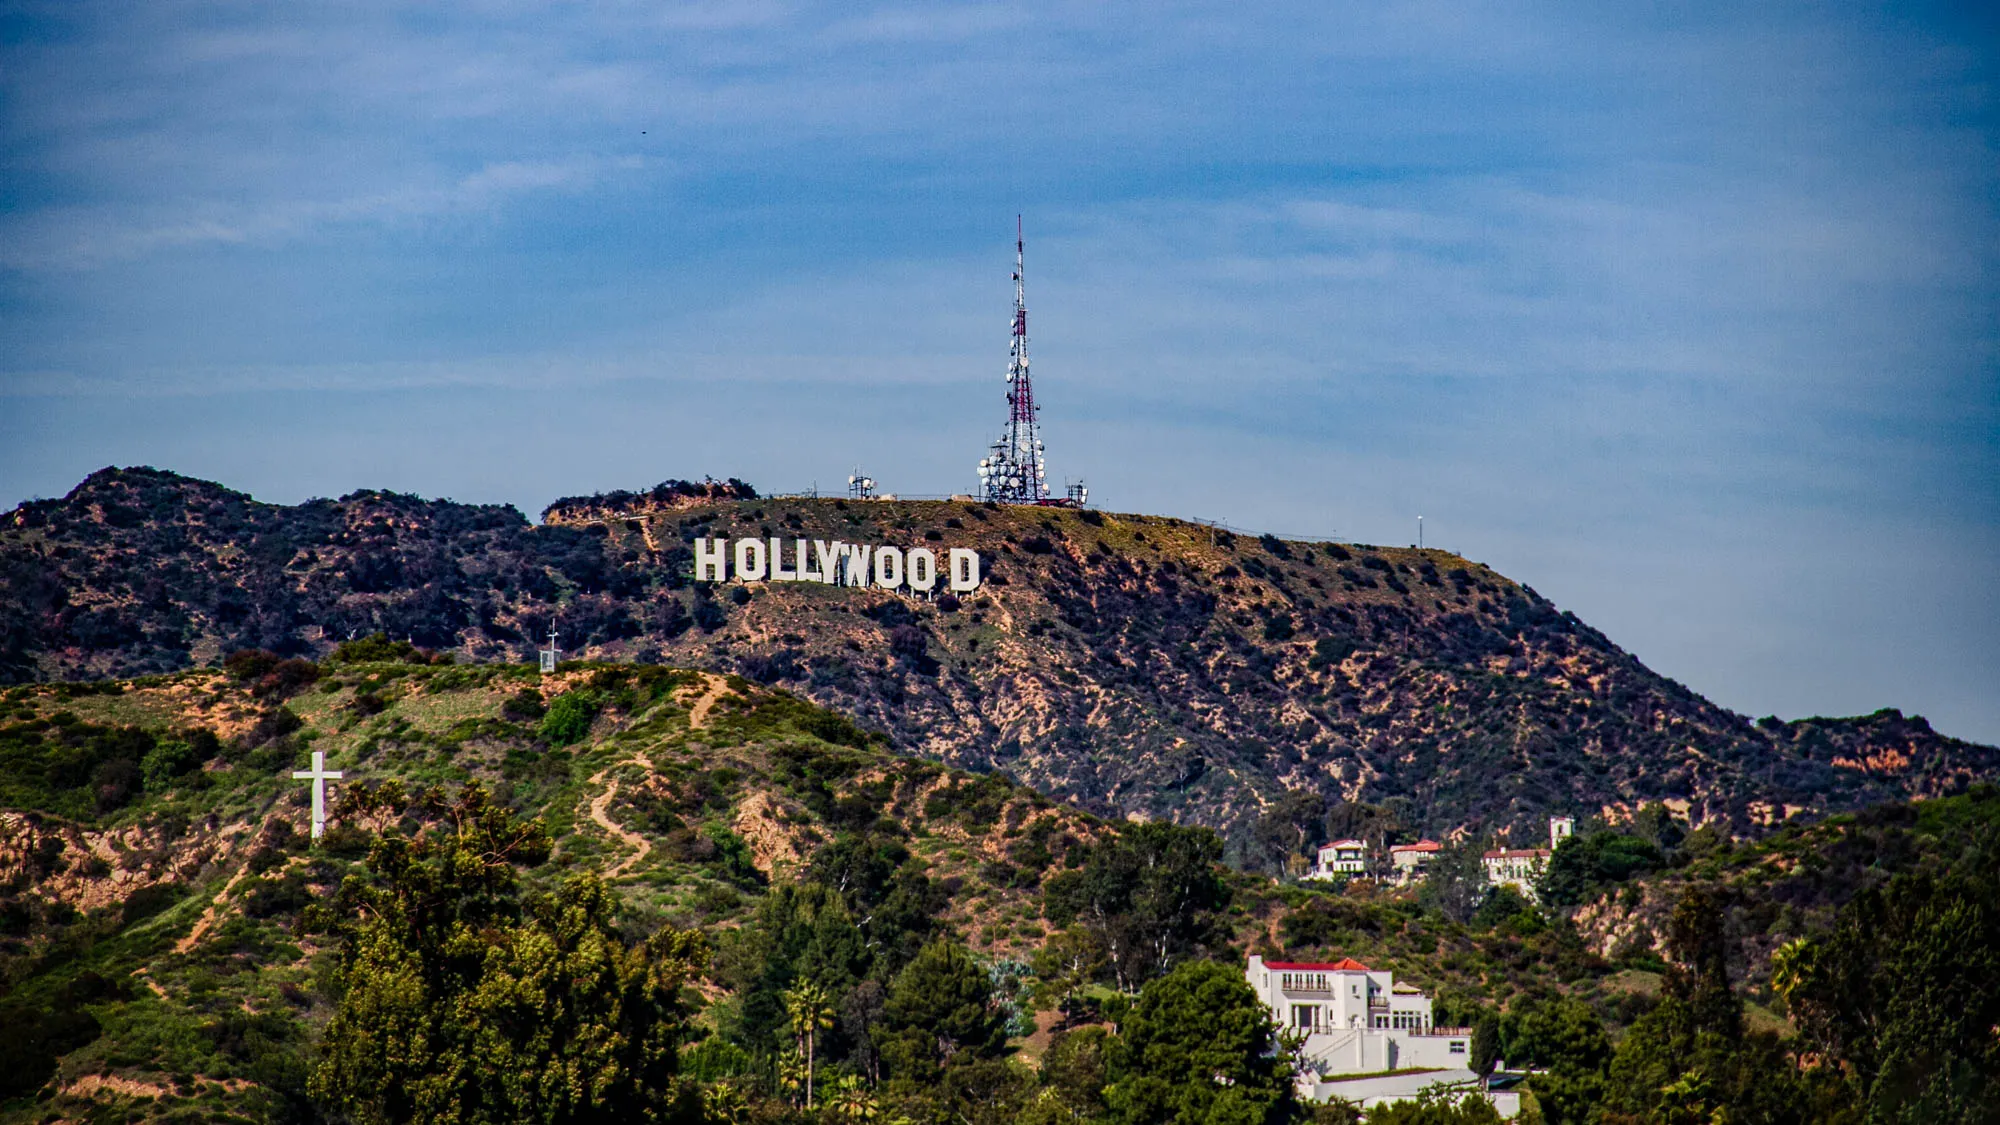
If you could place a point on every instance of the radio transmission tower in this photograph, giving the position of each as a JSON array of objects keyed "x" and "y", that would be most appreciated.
[{"x": 1013, "y": 473}]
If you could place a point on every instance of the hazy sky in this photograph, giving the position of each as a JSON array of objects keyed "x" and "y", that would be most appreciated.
[{"x": 1687, "y": 316}]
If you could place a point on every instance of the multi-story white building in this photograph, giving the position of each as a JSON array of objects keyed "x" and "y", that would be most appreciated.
[
  {"x": 1359, "y": 1023},
  {"x": 1523, "y": 868},
  {"x": 1342, "y": 857},
  {"x": 1520, "y": 868},
  {"x": 1327, "y": 1000}
]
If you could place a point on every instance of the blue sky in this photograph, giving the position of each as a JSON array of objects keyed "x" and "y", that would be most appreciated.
[{"x": 1686, "y": 315}]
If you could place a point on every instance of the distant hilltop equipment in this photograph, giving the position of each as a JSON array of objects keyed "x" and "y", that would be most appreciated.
[
  {"x": 1014, "y": 472},
  {"x": 860, "y": 486}
]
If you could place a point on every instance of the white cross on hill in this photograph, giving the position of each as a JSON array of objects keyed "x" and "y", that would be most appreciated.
[{"x": 319, "y": 775}]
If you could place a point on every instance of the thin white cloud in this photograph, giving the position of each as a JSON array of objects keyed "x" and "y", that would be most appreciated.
[{"x": 88, "y": 238}]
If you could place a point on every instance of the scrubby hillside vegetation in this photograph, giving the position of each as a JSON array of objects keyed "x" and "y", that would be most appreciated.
[
  {"x": 1126, "y": 664},
  {"x": 658, "y": 894}
]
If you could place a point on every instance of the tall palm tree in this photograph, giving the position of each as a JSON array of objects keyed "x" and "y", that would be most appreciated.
[{"x": 811, "y": 1011}]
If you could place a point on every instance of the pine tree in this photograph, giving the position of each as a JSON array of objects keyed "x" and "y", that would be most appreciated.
[
  {"x": 1197, "y": 1049},
  {"x": 465, "y": 1001}
]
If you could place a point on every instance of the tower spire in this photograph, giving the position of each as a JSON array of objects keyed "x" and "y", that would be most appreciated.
[{"x": 1012, "y": 472}]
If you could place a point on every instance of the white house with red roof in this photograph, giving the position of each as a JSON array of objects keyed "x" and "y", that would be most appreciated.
[
  {"x": 1358, "y": 1025},
  {"x": 1340, "y": 858},
  {"x": 1326, "y": 1000}
]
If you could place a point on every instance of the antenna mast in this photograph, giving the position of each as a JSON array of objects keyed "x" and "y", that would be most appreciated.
[{"x": 1013, "y": 473}]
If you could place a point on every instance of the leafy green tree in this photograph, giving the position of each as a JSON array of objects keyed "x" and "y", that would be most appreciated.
[
  {"x": 893, "y": 903},
  {"x": 1904, "y": 994},
  {"x": 980, "y": 1091},
  {"x": 1152, "y": 894},
  {"x": 1689, "y": 1059},
  {"x": 1197, "y": 1048},
  {"x": 941, "y": 1010},
  {"x": 464, "y": 1000},
  {"x": 1657, "y": 824},
  {"x": 1074, "y": 1073},
  {"x": 1288, "y": 830},
  {"x": 1485, "y": 1044},
  {"x": 1066, "y": 964},
  {"x": 1583, "y": 865},
  {"x": 1456, "y": 883},
  {"x": 801, "y": 932},
  {"x": 1502, "y": 904},
  {"x": 1566, "y": 1041}
]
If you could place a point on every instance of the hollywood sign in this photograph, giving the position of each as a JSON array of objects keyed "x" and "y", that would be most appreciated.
[{"x": 834, "y": 564}]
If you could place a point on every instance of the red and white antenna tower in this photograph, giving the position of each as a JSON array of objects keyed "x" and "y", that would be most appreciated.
[{"x": 1013, "y": 473}]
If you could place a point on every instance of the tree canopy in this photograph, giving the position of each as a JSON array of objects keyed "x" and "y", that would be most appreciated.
[
  {"x": 1150, "y": 893},
  {"x": 464, "y": 1000},
  {"x": 1199, "y": 1048}
]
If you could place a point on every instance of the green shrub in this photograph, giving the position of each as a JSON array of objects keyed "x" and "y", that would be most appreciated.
[
  {"x": 166, "y": 763},
  {"x": 377, "y": 648},
  {"x": 524, "y": 706},
  {"x": 569, "y": 718}
]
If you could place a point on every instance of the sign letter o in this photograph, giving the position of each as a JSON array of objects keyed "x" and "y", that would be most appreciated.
[
  {"x": 750, "y": 560},
  {"x": 923, "y": 569},
  {"x": 888, "y": 567}
]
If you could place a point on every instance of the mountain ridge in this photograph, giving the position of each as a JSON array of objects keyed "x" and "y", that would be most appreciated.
[{"x": 1137, "y": 666}]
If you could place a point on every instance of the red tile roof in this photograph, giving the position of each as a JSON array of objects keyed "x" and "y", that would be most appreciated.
[
  {"x": 1344, "y": 965},
  {"x": 1518, "y": 853},
  {"x": 1419, "y": 846}
]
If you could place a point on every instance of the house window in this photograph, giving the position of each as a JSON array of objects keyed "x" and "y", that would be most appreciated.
[{"x": 1458, "y": 1046}]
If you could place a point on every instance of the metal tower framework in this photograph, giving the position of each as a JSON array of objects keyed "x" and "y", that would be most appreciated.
[{"x": 1013, "y": 473}]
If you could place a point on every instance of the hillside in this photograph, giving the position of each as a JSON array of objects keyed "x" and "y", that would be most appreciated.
[
  {"x": 155, "y": 860},
  {"x": 160, "y": 958},
  {"x": 1132, "y": 665},
  {"x": 1792, "y": 883}
]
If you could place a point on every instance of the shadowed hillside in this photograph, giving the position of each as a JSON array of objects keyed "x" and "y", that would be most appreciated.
[{"x": 1130, "y": 664}]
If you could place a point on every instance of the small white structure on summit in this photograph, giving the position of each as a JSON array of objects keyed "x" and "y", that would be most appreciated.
[
  {"x": 319, "y": 775},
  {"x": 1368, "y": 1037}
]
